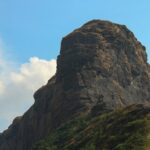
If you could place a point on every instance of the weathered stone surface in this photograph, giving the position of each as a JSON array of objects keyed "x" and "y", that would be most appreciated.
[{"x": 99, "y": 63}]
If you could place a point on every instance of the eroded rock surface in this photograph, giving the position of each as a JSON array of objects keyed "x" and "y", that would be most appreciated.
[{"x": 102, "y": 64}]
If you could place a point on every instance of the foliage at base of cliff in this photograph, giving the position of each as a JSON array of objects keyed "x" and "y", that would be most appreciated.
[{"x": 124, "y": 129}]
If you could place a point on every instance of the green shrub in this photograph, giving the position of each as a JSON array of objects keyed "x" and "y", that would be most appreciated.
[{"x": 118, "y": 130}]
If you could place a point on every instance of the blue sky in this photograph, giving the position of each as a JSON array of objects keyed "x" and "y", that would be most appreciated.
[
  {"x": 35, "y": 27},
  {"x": 30, "y": 36}
]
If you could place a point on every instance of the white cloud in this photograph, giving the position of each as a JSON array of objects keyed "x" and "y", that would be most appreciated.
[
  {"x": 1, "y": 87},
  {"x": 18, "y": 84},
  {"x": 34, "y": 73}
]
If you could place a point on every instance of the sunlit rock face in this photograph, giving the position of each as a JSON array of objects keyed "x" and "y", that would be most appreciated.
[
  {"x": 102, "y": 58},
  {"x": 99, "y": 63}
]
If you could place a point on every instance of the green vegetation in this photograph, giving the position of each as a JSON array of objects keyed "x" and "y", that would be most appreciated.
[{"x": 123, "y": 129}]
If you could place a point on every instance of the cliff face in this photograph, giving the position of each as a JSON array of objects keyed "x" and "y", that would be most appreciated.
[{"x": 99, "y": 63}]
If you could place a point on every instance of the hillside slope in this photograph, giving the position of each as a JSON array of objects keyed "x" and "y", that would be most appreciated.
[{"x": 123, "y": 129}]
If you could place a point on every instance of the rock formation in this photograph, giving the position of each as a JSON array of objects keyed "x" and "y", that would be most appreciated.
[{"x": 101, "y": 63}]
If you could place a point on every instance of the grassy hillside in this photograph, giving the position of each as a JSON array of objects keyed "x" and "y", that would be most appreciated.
[{"x": 124, "y": 129}]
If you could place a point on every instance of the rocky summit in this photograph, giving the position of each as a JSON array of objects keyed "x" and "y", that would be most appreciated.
[{"x": 102, "y": 67}]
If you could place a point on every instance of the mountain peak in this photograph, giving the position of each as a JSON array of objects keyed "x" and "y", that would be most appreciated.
[
  {"x": 105, "y": 58},
  {"x": 101, "y": 67}
]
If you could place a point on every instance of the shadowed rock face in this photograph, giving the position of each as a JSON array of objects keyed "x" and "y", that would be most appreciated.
[{"x": 102, "y": 64}]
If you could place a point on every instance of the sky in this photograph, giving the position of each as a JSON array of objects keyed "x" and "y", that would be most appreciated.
[{"x": 30, "y": 37}]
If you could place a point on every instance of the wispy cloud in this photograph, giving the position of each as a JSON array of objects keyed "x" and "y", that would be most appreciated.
[{"x": 17, "y": 84}]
